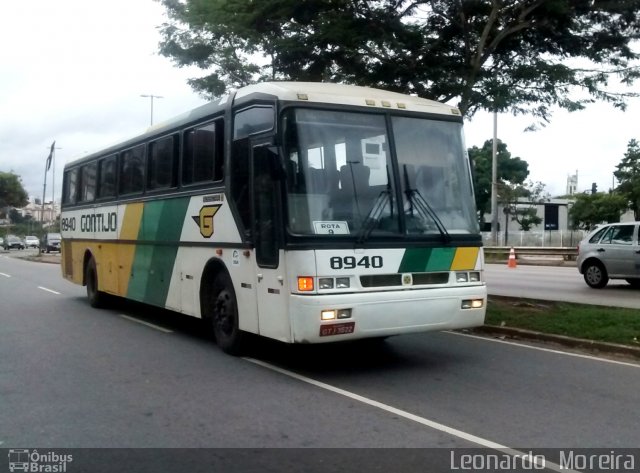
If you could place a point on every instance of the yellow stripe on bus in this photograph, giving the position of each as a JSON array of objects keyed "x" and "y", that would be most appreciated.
[
  {"x": 465, "y": 258},
  {"x": 126, "y": 251}
]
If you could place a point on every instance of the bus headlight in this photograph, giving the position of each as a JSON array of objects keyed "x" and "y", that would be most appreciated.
[
  {"x": 472, "y": 304},
  {"x": 462, "y": 277},
  {"x": 332, "y": 314},
  {"x": 342, "y": 283},
  {"x": 325, "y": 283},
  {"x": 328, "y": 315}
]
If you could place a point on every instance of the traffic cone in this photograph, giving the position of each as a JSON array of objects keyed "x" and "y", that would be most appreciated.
[{"x": 512, "y": 259}]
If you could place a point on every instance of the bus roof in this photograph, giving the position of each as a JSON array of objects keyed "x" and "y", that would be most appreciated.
[
  {"x": 303, "y": 92},
  {"x": 345, "y": 94}
]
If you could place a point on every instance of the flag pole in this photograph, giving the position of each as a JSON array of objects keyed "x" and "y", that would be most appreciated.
[
  {"x": 47, "y": 165},
  {"x": 44, "y": 192}
]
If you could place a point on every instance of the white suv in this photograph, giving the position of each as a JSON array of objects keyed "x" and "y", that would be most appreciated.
[
  {"x": 32, "y": 242},
  {"x": 610, "y": 252}
]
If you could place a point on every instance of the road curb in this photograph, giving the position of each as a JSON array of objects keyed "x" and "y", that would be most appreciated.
[{"x": 591, "y": 345}]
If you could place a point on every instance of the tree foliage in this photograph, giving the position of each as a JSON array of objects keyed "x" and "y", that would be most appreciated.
[
  {"x": 517, "y": 55},
  {"x": 12, "y": 193},
  {"x": 520, "y": 203},
  {"x": 628, "y": 175},
  {"x": 591, "y": 209},
  {"x": 512, "y": 172}
]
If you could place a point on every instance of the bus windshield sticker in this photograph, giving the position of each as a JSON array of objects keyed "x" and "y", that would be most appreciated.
[{"x": 331, "y": 228}]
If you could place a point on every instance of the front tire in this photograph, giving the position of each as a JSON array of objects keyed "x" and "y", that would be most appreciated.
[
  {"x": 96, "y": 298},
  {"x": 595, "y": 275},
  {"x": 224, "y": 316}
]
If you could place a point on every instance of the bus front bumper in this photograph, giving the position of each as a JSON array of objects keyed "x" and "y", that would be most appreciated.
[{"x": 382, "y": 314}]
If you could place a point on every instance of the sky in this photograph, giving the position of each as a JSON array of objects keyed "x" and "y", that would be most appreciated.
[{"x": 74, "y": 71}]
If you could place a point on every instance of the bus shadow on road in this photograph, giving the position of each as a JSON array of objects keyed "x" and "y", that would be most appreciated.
[{"x": 397, "y": 353}]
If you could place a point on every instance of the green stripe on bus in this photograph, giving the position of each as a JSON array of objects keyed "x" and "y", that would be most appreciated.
[
  {"x": 419, "y": 260},
  {"x": 153, "y": 264}
]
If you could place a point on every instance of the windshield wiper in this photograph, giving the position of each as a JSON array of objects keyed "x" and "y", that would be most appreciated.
[
  {"x": 372, "y": 218},
  {"x": 424, "y": 209}
]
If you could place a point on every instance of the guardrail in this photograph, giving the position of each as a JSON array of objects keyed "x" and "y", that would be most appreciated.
[{"x": 502, "y": 252}]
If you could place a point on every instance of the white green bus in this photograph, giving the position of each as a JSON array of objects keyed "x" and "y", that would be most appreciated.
[{"x": 302, "y": 212}]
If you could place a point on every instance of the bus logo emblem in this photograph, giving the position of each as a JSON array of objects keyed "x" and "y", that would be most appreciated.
[{"x": 205, "y": 219}]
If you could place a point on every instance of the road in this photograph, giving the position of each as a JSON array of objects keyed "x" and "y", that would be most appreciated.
[
  {"x": 72, "y": 376},
  {"x": 557, "y": 284}
]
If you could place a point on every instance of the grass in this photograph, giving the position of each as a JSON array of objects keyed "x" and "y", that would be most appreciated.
[{"x": 599, "y": 323}]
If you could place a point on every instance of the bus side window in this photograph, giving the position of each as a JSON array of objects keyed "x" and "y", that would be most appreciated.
[
  {"x": 161, "y": 163},
  {"x": 107, "y": 177},
  {"x": 203, "y": 153},
  {"x": 69, "y": 187},
  {"x": 88, "y": 182},
  {"x": 132, "y": 170}
]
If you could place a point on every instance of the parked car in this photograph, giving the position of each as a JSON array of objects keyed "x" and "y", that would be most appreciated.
[
  {"x": 13, "y": 242},
  {"x": 610, "y": 252},
  {"x": 51, "y": 242},
  {"x": 31, "y": 241}
]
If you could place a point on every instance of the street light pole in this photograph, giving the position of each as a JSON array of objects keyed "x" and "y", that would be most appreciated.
[
  {"x": 494, "y": 182},
  {"x": 151, "y": 96}
]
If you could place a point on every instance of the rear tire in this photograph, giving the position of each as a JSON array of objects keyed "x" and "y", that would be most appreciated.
[
  {"x": 96, "y": 298},
  {"x": 595, "y": 275},
  {"x": 223, "y": 311}
]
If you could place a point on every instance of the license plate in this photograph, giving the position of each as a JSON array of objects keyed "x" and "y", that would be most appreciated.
[{"x": 337, "y": 329}]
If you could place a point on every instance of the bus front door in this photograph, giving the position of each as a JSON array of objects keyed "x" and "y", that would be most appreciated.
[{"x": 270, "y": 273}]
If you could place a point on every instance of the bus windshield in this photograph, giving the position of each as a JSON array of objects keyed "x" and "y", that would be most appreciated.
[{"x": 342, "y": 181}]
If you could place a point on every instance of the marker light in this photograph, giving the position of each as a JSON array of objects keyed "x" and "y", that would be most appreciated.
[
  {"x": 328, "y": 315},
  {"x": 305, "y": 283}
]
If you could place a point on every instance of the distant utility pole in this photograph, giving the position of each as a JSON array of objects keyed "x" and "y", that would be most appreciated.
[{"x": 151, "y": 96}]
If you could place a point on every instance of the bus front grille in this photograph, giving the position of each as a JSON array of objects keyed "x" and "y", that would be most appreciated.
[{"x": 390, "y": 280}]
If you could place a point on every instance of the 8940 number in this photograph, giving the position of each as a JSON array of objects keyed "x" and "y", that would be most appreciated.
[{"x": 351, "y": 262}]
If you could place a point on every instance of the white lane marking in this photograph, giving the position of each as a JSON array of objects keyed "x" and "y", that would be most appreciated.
[
  {"x": 157, "y": 327},
  {"x": 550, "y": 350},
  {"x": 49, "y": 290},
  {"x": 407, "y": 415},
  {"x": 5, "y": 275}
]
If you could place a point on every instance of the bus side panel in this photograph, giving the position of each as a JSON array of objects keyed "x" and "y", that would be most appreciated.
[{"x": 155, "y": 254}]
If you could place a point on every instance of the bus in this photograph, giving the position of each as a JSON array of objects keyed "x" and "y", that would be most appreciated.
[{"x": 301, "y": 212}]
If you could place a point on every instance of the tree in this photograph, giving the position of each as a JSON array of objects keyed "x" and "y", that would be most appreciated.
[
  {"x": 592, "y": 209},
  {"x": 520, "y": 203},
  {"x": 510, "y": 170},
  {"x": 519, "y": 55},
  {"x": 12, "y": 194},
  {"x": 628, "y": 175}
]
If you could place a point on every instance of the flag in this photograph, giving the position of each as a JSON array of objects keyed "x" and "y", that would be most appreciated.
[{"x": 50, "y": 157}]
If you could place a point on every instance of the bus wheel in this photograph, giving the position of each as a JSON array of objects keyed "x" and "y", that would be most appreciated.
[
  {"x": 226, "y": 328},
  {"x": 96, "y": 298}
]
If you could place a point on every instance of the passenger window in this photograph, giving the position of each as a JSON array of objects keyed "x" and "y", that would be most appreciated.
[
  {"x": 88, "y": 182},
  {"x": 69, "y": 187},
  {"x": 132, "y": 170},
  {"x": 203, "y": 154},
  {"x": 621, "y": 235},
  {"x": 161, "y": 163},
  {"x": 107, "y": 177}
]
